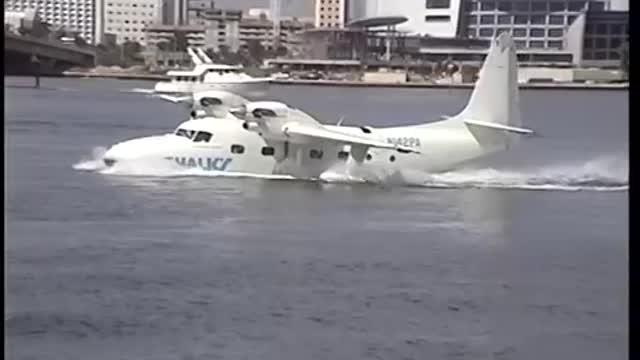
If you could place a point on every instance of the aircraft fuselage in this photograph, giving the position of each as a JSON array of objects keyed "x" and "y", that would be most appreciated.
[{"x": 232, "y": 148}]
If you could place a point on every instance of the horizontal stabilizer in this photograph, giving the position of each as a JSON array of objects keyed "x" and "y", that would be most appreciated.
[{"x": 497, "y": 126}]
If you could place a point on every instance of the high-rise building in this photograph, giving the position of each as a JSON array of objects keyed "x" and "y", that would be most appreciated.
[
  {"x": 536, "y": 23},
  {"x": 72, "y": 15},
  {"x": 127, "y": 19},
  {"x": 331, "y": 13},
  {"x": 174, "y": 12},
  {"x": 180, "y": 9},
  {"x": 533, "y": 24},
  {"x": 601, "y": 36}
]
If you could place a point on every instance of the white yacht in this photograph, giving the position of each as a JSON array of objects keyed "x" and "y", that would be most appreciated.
[{"x": 207, "y": 75}]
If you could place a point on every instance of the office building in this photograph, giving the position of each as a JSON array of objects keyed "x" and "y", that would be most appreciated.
[
  {"x": 127, "y": 19},
  {"x": 180, "y": 9},
  {"x": 540, "y": 24},
  {"x": 597, "y": 37},
  {"x": 72, "y": 15},
  {"x": 530, "y": 21},
  {"x": 234, "y": 34},
  {"x": 331, "y": 13},
  {"x": 262, "y": 30}
]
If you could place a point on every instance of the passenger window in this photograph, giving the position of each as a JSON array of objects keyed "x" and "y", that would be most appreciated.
[
  {"x": 315, "y": 154},
  {"x": 237, "y": 149},
  {"x": 208, "y": 101},
  {"x": 343, "y": 155},
  {"x": 268, "y": 151},
  {"x": 202, "y": 136}
]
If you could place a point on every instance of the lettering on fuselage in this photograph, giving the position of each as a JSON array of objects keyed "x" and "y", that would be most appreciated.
[
  {"x": 404, "y": 141},
  {"x": 207, "y": 164}
]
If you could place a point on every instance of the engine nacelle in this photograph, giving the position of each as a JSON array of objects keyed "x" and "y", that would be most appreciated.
[
  {"x": 195, "y": 114},
  {"x": 251, "y": 126}
]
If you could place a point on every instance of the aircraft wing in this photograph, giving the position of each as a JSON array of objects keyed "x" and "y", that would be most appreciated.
[{"x": 322, "y": 133}]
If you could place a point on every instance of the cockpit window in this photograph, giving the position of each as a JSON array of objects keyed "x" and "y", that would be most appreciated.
[
  {"x": 209, "y": 101},
  {"x": 186, "y": 133},
  {"x": 264, "y": 112},
  {"x": 202, "y": 136}
]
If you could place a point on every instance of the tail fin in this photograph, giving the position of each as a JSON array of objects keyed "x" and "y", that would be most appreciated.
[{"x": 493, "y": 112}]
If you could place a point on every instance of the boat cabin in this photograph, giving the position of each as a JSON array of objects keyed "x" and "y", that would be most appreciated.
[{"x": 199, "y": 73}]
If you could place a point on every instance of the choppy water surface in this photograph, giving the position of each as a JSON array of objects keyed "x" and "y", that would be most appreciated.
[{"x": 523, "y": 256}]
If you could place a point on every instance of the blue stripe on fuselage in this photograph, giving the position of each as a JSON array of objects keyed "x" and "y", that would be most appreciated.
[{"x": 207, "y": 164}]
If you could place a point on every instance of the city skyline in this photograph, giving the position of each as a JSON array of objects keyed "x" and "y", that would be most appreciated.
[{"x": 289, "y": 7}]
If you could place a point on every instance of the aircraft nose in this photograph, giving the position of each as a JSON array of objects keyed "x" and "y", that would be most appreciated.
[
  {"x": 136, "y": 148},
  {"x": 112, "y": 155}
]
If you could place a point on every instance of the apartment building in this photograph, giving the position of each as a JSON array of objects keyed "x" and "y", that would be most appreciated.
[
  {"x": 331, "y": 13},
  {"x": 127, "y": 19},
  {"x": 72, "y": 15}
]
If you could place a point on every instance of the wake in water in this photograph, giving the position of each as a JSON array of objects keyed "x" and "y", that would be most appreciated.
[
  {"x": 93, "y": 163},
  {"x": 603, "y": 174}
]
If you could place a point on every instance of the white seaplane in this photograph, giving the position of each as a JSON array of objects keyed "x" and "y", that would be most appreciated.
[{"x": 227, "y": 133}]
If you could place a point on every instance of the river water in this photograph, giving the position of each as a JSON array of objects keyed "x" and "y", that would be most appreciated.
[{"x": 523, "y": 256}]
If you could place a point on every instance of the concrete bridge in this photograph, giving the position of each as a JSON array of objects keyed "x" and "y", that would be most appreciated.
[{"x": 54, "y": 57}]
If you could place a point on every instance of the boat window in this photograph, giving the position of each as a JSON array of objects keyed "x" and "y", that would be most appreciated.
[
  {"x": 392, "y": 158},
  {"x": 237, "y": 149},
  {"x": 209, "y": 101},
  {"x": 315, "y": 154},
  {"x": 368, "y": 156},
  {"x": 186, "y": 133},
  {"x": 202, "y": 136},
  {"x": 343, "y": 155},
  {"x": 267, "y": 151}
]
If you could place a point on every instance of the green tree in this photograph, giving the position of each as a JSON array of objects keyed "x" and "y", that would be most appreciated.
[
  {"x": 282, "y": 51},
  {"x": 131, "y": 48},
  {"x": 624, "y": 57},
  {"x": 256, "y": 51},
  {"x": 181, "y": 41},
  {"x": 165, "y": 45},
  {"x": 223, "y": 52},
  {"x": 79, "y": 41}
]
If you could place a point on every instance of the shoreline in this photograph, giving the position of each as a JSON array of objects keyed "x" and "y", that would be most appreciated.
[
  {"x": 541, "y": 86},
  {"x": 341, "y": 83}
]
